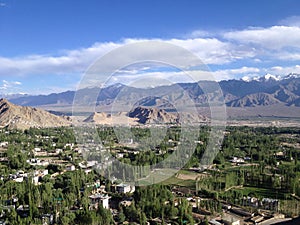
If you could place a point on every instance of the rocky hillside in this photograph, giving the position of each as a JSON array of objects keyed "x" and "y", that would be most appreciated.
[
  {"x": 24, "y": 117},
  {"x": 153, "y": 116},
  {"x": 259, "y": 99}
]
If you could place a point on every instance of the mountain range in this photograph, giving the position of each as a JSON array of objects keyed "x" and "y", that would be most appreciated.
[
  {"x": 262, "y": 91},
  {"x": 267, "y": 96}
]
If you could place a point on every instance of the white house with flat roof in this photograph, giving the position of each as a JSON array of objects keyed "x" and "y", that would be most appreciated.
[
  {"x": 98, "y": 199},
  {"x": 125, "y": 188}
]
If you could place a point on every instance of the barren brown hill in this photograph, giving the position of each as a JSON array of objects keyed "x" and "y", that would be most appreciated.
[
  {"x": 97, "y": 117},
  {"x": 102, "y": 118},
  {"x": 24, "y": 117}
]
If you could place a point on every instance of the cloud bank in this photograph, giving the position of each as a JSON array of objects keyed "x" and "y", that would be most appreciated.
[{"x": 267, "y": 49}]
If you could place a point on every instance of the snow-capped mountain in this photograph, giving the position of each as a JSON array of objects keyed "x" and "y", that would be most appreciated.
[
  {"x": 291, "y": 76},
  {"x": 270, "y": 77}
]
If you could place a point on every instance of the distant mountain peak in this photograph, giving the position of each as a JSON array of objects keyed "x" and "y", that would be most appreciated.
[
  {"x": 270, "y": 77},
  {"x": 266, "y": 78},
  {"x": 291, "y": 76},
  {"x": 247, "y": 78}
]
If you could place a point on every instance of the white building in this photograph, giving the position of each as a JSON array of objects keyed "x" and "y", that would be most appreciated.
[
  {"x": 125, "y": 188},
  {"x": 19, "y": 179},
  {"x": 37, "y": 149},
  {"x": 4, "y": 144},
  {"x": 70, "y": 168},
  {"x": 35, "y": 180},
  {"x": 97, "y": 199},
  {"x": 237, "y": 160}
]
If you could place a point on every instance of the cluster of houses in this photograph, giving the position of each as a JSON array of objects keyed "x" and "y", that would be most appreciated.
[
  {"x": 238, "y": 160},
  {"x": 20, "y": 176},
  {"x": 238, "y": 216},
  {"x": 265, "y": 203},
  {"x": 100, "y": 197}
]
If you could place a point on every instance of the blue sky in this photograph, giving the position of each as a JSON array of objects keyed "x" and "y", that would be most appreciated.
[{"x": 45, "y": 46}]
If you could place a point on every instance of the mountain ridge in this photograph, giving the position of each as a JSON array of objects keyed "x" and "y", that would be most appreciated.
[{"x": 285, "y": 91}]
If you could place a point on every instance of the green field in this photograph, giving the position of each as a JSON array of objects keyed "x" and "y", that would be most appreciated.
[
  {"x": 179, "y": 182},
  {"x": 262, "y": 192}
]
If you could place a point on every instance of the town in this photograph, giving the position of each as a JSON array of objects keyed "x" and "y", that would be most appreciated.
[{"x": 45, "y": 179}]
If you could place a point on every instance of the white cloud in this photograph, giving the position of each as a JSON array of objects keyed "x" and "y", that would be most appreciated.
[
  {"x": 278, "y": 68},
  {"x": 9, "y": 85},
  {"x": 291, "y": 21},
  {"x": 75, "y": 61},
  {"x": 288, "y": 56},
  {"x": 243, "y": 70},
  {"x": 270, "y": 45},
  {"x": 152, "y": 79},
  {"x": 169, "y": 77},
  {"x": 274, "y": 38},
  {"x": 212, "y": 50},
  {"x": 209, "y": 50},
  {"x": 282, "y": 71},
  {"x": 232, "y": 73},
  {"x": 200, "y": 34}
]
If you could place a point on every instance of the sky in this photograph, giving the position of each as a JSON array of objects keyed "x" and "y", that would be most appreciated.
[{"x": 47, "y": 46}]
